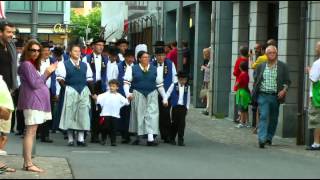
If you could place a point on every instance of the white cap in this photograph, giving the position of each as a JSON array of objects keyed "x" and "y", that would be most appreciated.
[{"x": 140, "y": 47}]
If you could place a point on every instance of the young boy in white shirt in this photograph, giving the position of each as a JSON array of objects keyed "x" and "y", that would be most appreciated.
[
  {"x": 110, "y": 103},
  {"x": 179, "y": 94}
]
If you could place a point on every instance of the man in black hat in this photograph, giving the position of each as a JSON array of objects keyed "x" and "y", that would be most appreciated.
[
  {"x": 180, "y": 100},
  {"x": 169, "y": 76},
  {"x": 122, "y": 45},
  {"x": 158, "y": 44},
  {"x": 123, "y": 125},
  {"x": 98, "y": 65}
]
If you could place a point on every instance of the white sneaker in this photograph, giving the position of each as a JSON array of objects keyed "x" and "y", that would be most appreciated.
[
  {"x": 240, "y": 126},
  {"x": 3, "y": 153}
]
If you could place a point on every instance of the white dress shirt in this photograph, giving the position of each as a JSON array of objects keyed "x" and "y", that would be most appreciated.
[
  {"x": 97, "y": 62},
  {"x": 112, "y": 70},
  {"x": 314, "y": 74},
  {"x": 174, "y": 72},
  {"x": 111, "y": 104},
  {"x": 121, "y": 58}
]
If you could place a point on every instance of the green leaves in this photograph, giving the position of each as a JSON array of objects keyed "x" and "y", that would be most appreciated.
[{"x": 92, "y": 20}]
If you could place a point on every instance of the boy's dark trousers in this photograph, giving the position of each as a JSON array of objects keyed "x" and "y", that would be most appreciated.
[
  {"x": 95, "y": 115},
  {"x": 179, "y": 114},
  {"x": 164, "y": 120},
  {"x": 108, "y": 127}
]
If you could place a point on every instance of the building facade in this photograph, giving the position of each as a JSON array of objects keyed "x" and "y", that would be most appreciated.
[
  {"x": 145, "y": 21},
  {"x": 49, "y": 18},
  {"x": 295, "y": 25}
]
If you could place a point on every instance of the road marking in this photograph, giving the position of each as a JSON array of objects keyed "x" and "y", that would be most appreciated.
[{"x": 92, "y": 152}]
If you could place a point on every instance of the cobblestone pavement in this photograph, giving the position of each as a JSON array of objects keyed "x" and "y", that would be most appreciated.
[
  {"x": 55, "y": 168},
  {"x": 224, "y": 131}
]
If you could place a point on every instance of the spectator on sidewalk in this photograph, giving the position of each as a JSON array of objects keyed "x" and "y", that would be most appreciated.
[
  {"x": 206, "y": 79},
  {"x": 314, "y": 111},
  {"x": 167, "y": 49},
  {"x": 173, "y": 54},
  {"x": 244, "y": 57},
  {"x": 6, "y": 109},
  {"x": 243, "y": 97},
  {"x": 271, "y": 83},
  {"x": 8, "y": 70},
  {"x": 34, "y": 97},
  {"x": 186, "y": 57}
]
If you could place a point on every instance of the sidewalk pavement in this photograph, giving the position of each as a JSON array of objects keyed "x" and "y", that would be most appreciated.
[
  {"x": 55, "y": 168},
  {"x": 224, "y": 131}
]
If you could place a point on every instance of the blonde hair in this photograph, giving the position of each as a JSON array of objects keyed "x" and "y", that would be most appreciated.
[{"x": 206, "y": 53}]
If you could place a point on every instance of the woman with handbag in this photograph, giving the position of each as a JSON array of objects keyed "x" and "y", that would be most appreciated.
[{"x": 6, "y": 109}]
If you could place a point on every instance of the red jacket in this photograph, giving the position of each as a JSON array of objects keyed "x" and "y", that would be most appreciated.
[
  {"x": 236, "y": 70},
  {"x": 173, "y": 56}
]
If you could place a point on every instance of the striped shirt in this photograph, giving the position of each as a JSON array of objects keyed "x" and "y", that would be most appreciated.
[{"x": 269, "y": 83}]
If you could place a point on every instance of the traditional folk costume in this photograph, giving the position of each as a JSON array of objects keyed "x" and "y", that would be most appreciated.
[
  {"x": 180, "y": 101},
  {"x": 145, "y": 107},
  {"x": 168, "y": 72},
  {"x": 123, "y": 125},
  {"x": 76, "y": 106},
  {"x": 98, "y": 65}
]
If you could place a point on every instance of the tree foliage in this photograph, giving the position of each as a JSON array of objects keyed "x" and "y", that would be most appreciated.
[{"x": 79, "y": 23}]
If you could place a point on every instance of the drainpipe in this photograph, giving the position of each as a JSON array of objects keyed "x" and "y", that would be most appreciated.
[
  {"x": 34, "y": 24},
  {"x": 213, "y": 33}
]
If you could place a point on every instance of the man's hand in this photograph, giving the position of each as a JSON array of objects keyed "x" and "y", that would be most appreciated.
[
  {"x": 94, "y": 97},
  {"x": 165, "y": 103},
  {"x": 282, "y": 94},
  {"x": 130, "y": 97},
  {"x": 4, "y": 113},
  {"x": 307, "y": 70}
]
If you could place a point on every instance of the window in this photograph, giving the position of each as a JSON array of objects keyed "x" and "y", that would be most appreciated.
[
  {"x": 77, "y": 4},
  {"x": 51, "y": 6},
  {"x": 18, "y": 5},
  {"x": 96, "y": 4}
]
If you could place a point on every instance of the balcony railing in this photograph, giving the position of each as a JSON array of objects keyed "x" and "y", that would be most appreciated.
[{"x": 137, "y": 5}]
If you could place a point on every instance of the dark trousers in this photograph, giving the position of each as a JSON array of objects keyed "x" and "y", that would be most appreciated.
[
  {"x": 164, "y": 120},
  {"x": 108, "y": 127},
  {"x": 123, "y": 124},
  {"x": 95, "y": 114},
  {"x": 44, "y": 130},
  {"x": 17, "y": 115},
  {"x": 55, "y": 116},
  {"x": 179, "y": 114},
  {"x": 20, "y": 121}
]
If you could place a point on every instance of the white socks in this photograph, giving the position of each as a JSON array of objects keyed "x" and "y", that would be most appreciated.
[
  {"x": 70, "y": 136},
  {"x": 81, "y": 136},
  {"x": 315, "y": 145},
  {"x": 150, "y": 138}
]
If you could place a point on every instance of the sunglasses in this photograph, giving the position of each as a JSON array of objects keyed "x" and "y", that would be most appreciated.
[{"x": 35, "y": 50}]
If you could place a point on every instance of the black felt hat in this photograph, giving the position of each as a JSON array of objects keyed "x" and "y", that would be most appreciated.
[
  {"x": 182, "y": 74},
  {"x": 159, "y": 43},
  {"x": 113, "y": 51},
  {"x": 98, "y": 40},
  {"x": 121, "y": 41},
  {"x": 129, "y": 52},
  {"x": 159, "y": 50}
]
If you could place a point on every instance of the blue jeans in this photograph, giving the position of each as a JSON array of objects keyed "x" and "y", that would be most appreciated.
[{"x": 268, "y": 108}]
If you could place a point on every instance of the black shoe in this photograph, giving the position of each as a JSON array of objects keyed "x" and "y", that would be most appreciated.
[
  {"x": 261, "y": 145},
  {"x": 103, "y": 142},
  {"x": 113, "y": 144},
  {"x": 47, "y": 140},
  {"x": 95, "y": 140},
  {"x": 81, "y": 144},
  {"x": 173, "y": 142},
  {"x": 269, "y": 142},
  {"x": 167, "y": 140},
  {"x": 125, "y": 141},
  {"x": 19, "y": 134},
  {"x": 205, "y": 113},
  {"x": 310, "y": 148},
  {"x": 181, "y": 143},
  {"x": 136, "y": 142},
  {"x": 153, "y": 143},
  {"x": 71, "y": 144}
]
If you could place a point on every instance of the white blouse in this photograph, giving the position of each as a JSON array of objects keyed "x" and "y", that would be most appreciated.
[{"x": 61, "y": 72}]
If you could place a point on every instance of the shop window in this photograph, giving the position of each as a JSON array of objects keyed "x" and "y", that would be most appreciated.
[
  {"x": 18, "y": 5},
  {"x": 77, "y": 4}
]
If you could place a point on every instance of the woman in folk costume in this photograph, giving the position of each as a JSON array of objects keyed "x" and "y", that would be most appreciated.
[
  {"x": 140, "y": 47},
  {"x": 75, "y": 76},
  {"x": 144, "y": 81}
]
